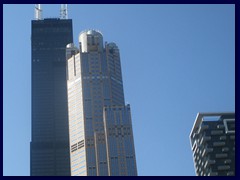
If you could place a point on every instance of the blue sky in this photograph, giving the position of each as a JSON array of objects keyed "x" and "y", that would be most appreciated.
[{"x": 177, "y": 60}]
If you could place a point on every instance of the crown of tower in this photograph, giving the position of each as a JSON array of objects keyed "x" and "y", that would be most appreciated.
[{"x": 63, "y": 11}]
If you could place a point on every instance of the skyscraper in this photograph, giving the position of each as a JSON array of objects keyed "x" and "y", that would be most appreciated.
[
  {"x": 100, "y": 127},
  {"x": 213, "y": 144},
  {"x": 50, "y": 136}
]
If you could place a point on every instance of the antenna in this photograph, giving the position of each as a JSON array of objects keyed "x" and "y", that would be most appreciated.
[
  {"x": 38, "y": 12},
  {"x": 63, "y": 12}
]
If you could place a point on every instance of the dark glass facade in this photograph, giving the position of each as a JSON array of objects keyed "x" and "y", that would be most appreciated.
[
  {"x": 213, "y": 144},
  {"x": 50, "y": 135}
]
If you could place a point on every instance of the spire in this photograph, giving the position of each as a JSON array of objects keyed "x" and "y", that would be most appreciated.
[
  {"x": 38, "y": 12},
  {"x": 63, "y": 12}
]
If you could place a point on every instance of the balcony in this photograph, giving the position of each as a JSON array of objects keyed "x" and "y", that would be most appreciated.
[
  {"x": 209, "y": 162},
  {"x": 220, "y": 126},
  {"x": 216, "y": 132},
  {"x": 223, "y": 137},
  {"x": 212, "y": 174},
  {"x": 223, "y": 168},
  {"x": 230, "y": 173},
  {"x": 204, "y": 139},
  {"x": 223, "y": 155},
  {"x": 206, "y": 151},
  {"x": 194, "y": 146},
  {"x": 219, "y": 143},
  {"x": 195, "y": 135},
  {"x": 197, "y": 150},
  {"x": 202, "y": 128},
  {"x": 225, "y": 149},
  {"x": 227, "y": 161}
]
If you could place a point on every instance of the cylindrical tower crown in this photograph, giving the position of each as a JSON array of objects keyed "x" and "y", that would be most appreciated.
[
  {"x": 112, "y": 47},
  {"x": 91, "y": 40},
  {"x": 71, "y": 50}
]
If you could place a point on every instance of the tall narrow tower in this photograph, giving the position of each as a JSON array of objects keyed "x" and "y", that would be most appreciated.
[
  {"x": 50, "y": 136},
  {"x": 100, "y": 127}
]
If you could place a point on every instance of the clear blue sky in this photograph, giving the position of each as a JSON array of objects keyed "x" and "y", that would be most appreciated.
[{"x": 177, "y": 60}]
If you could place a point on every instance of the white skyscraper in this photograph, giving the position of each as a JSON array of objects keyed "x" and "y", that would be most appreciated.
[{"x": 100, "y": 127}]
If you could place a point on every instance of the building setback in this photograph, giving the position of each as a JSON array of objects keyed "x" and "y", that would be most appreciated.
[
  {"x": 50, "y": 136},
  {"x": 213, "y": 144},
  {"x": 100, "y": 127}
]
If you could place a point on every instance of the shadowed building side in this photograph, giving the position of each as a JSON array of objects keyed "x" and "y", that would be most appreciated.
[{"x": 50, "y": 136}]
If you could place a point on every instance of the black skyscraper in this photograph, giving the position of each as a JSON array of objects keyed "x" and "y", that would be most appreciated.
[{"x": 50, "y": 137}]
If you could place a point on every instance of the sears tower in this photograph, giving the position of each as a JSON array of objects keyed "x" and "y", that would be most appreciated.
[{"x": 50, "y": 136}]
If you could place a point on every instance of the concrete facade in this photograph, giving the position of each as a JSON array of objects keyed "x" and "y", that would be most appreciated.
[{"x": 213, "y": 144}]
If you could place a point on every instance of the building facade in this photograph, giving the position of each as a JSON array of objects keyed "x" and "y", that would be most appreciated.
[
  {"x": 100, "y": 127},
  {"x": 50, "y": 134},
  {"x": 213, "y": 144}
]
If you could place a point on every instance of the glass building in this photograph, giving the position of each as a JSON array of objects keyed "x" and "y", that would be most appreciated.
[
  {"x": 100, "y": 127},
  {"x": 50, "y": 134},
  {"x": 213, "y": 144}
]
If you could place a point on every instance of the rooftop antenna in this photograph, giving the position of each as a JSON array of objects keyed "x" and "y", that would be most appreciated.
[
  {"x": 38, "y": 12},
  {"x": 63, "y": 12}
]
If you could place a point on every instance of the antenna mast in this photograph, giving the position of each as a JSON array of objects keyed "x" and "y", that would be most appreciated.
[
  {"x": 63, "y": 12},
  {"x": 38, "y": 12}
]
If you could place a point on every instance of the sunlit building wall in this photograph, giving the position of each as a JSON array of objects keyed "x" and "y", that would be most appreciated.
[{"x": 100, "y": 127}]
